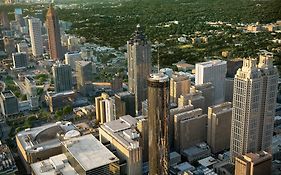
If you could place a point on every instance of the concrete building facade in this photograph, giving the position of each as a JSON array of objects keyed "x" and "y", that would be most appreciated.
[
  {"x": 158, "y": 123},
  {"x": 35, "y": 33},
  {"x": 219, "y": 124},
  {"x": 254, "y": 100},
  {"x": 62, "y": 77},
  {"x": 139, "y": 66},
  {"x": 215, "y": 72}
]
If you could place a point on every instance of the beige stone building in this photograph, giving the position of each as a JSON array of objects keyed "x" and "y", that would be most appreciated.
[
  {"x": 190, "y": 128},
  {"x": 123, "y": 137},
  {"x": 193, "y": 98},
  {"x": 254, "y": 100},
  {"x": 219, "y": 124},
  {"x": 179, "y": 85},
  {"x": 253, "y": 164}
]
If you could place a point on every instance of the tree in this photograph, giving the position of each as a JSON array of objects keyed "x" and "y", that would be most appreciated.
[
  {"x": 67, "y": 110},
  {"x": 23, "y": 97}
]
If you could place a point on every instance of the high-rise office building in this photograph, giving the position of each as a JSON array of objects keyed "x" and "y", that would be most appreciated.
[
  {"x": 54, "y": 36},
  {"x": 20, "y": 60},
  {"x": 19, "y": 17},
  {"x": 4, "y": 20},
  {"x": 124, "y": 104},
  {"x": 36, "y": 39},
  {"x": 22, "y": 47},
  {"x": 9, "y": 103},
  {"x": 158, "y": 119},
  {"x": 212, "y": 71},
  {"x": 253, "y": 164},
  {"x": 219, "y": 124},
  {"x": 9, "y": 44},
  {"x": 62, "y": 77},
  {"x": 31, "y": 90},
  {"x": 105, "y": 108},
  {"x": 139, "y": 66},
  {"x": 84, "y": 76},
  {"x": 71, "y": 57},
  {"x": 208, "y": 92},
  {"x": 179, "y": 85},
  {"x": 190, "y": 128},
  {"x": 254, "y": 100}
]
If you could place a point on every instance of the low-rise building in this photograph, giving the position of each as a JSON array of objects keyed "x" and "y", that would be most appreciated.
[
  {"x": 35, "y": 144},
  {"x": 9, "y": 103}
]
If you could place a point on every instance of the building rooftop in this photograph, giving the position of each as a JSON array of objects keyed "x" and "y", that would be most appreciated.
[
  {"x": 7, "y": 162},
  {"x": 89, "y": 152},
  {"x": 208, "y": 161},
  {"x": 197, "y": 149},
  {"x": 123, "y": 130},
  {"x": 83, "y": 63},
  {"x": 43, "y": 137},
  {"x": 7, "y": 94},
  {"x": 54, "y": 165},
  {"x": 212, "y": 63}
]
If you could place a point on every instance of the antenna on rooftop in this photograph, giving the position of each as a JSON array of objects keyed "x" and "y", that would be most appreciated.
[{"x": 158, "y": 56}]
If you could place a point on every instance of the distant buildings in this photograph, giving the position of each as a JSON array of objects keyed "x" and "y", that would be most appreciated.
[
  {"x": 124, "y": 138},
  {"x": 219, "y": 124},
  {"x": 158, "y": 121},
  {"x": 54, "y": 36},
  {"x": 254, "y": 100},
  {"x": 139, "y": 66},
  {"x": 20, "y": 60},
  {"x": 253, "y": 164},
  {"x": 36, "y": 39},
  {"x": 212, "y": 71},
  {"x": 9, "y": 103},
  {"x": 62, "y": 77}
]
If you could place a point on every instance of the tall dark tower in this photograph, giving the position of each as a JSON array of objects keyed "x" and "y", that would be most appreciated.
[
  {"x": 54, "y": 37},
  {"x": 158, "y": 118},
  {"x": 139, "y": 66}
]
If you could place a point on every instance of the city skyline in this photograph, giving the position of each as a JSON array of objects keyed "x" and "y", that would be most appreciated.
[{"x": 140, "y": 88}]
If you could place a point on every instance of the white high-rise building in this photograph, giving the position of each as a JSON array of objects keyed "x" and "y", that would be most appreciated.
[
  {"x": 212, "y": 71},
  {"x": 254, "y": 100},
  {"x": 35, "y": 33}
]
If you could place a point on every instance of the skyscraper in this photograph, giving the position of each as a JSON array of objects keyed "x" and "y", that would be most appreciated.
[
  {"x": 19, "y": 17},
  {"x": 139, "y": 66},
  {"x": 212, "y": 71},
  {"x": 254, "y": 96},
  {"x": 36, "y": 36},
  {"x": 54, "y": 37},
  {"x": 20, "y": 60},
  {"x": 84, "y": 76},
  {"x": 62, "y": 77},
  {"x": 158, "y": 119},
  {"x": 4, "y": 20}
]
